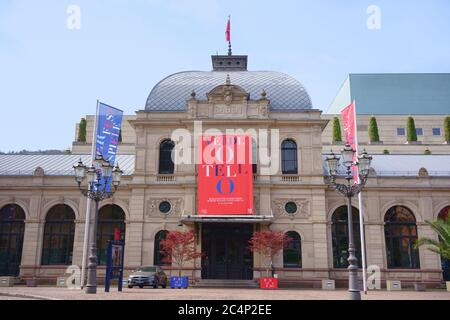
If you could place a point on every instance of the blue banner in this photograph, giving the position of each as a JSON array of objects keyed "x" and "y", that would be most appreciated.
[{"x": 109, "y": 123}]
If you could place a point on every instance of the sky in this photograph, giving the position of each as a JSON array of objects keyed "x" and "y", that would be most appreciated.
[{"x": 51, "y": 75}]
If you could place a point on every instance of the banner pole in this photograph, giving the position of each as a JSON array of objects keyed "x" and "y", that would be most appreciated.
[
  {"x": 361, "y": 215},
  {"x": 88, "y": 205}
]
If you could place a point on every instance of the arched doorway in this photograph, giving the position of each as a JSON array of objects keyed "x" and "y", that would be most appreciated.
[
  {"x": 12, "y": 226},
  {"x": 110, "y": 218},
  {"x": 444, "y": 214},
  {"x": 57, "y": 247},
  {"x": 339, "y": 235},
  {"x": 292, "y": 254},
  {"x": 158, "y": 257},
  {"x": 400, "y": 231}
]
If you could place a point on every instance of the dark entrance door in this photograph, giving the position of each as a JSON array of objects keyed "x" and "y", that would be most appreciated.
[
  {"x": 12, "y": 228},
  {"x": 226, "y": 251}
]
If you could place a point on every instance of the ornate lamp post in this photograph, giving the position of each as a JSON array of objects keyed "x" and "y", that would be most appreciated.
[
  {"x": 349, "y": 190},
  {"x": 96, "y": 191}
]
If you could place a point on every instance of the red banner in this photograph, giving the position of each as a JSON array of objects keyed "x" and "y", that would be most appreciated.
[
  {"x": 349, "y": 125},
  {"x": 225, "y": 177}
]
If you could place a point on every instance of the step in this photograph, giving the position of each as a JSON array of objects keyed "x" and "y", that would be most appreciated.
[{"x": 220, "y": 283}]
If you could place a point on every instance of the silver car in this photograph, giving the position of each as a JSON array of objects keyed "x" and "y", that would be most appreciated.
[{"x": 152, "y": 276}]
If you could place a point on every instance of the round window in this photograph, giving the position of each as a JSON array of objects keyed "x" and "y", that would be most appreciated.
[
  {"x": 164, "y": 207},
  {"x": 291, "y": 207}
]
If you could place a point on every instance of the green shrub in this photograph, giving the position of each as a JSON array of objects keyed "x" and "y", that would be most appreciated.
[
  {"x": 337, "y": 134},
  {"x": 82, "y": 130},
  {"x": 447, "y": 129},
  {"x": 386, "y": 151},
  {"x": 411, "y": 134},
  {"x": 373, "y": 130}
]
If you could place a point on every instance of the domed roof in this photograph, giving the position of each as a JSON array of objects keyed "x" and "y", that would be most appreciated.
[{"x": 284, "y": 92}]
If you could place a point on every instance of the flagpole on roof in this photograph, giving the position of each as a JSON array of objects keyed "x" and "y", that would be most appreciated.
[
  {"x": 228, "y": 35},
  {"x": 88, "y": 205},
  {"x": 361, "y": 216}
]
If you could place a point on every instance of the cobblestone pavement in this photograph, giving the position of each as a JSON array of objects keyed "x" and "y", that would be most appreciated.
[{"x": 54, "y": 293}]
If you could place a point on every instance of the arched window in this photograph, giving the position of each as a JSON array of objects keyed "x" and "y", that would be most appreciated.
[
  {"x": 400, "y": 233},
  {"x": 12, "y": 226},
  {"x": 166, "y": 165},
  {"x": 339, "y": 235},
  {"x": 57, "y": 248},
  {"x": 444, "y": 214},
  {"x": 110, "y": 218},
  {"x": 289, "y": 157},
  {"x": 292, "y": 254},
  {"x": 157, "y": 255}
]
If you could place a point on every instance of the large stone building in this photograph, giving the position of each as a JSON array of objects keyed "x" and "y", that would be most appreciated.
[{"x": 43, "y": 213}]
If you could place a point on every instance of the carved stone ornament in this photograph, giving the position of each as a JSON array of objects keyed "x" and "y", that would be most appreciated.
[
  {"x": 303, "y": 208},
  {"x": 176, "y": 207},
  {"x": 39, "y": 172}
]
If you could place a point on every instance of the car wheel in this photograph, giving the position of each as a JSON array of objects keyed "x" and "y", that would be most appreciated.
[{"x": 130, "y": 287}]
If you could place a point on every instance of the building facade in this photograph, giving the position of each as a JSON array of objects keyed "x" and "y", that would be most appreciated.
[{"x": 43, "y": 213}]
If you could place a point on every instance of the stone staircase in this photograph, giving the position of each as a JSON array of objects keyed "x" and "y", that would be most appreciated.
[{"x": 219, "y": 283}]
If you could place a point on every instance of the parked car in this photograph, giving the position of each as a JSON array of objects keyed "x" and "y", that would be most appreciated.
[{"x": 147, "y": 276}]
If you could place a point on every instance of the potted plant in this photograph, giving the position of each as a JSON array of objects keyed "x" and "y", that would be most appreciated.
[
  {"x": 268, "y": 244},
  {"x": 179, "y": 247}
]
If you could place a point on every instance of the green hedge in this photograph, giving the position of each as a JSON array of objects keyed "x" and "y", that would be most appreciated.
[
  {"x": 82, "y": 130},
  {"x": 411, "y": 134},
  {"x": 373, "y": 130},
  {"x": 447, "y": 129},
  {"x": 337, "y": 134}
]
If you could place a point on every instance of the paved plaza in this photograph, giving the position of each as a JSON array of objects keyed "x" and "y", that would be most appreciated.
[{"x": 53, "y": 293}]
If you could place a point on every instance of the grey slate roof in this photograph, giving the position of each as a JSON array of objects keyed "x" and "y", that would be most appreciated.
[
  {"x": 284, "y": 92},
  {"x": 404, "y": 165},
  {"x": 53, "y": 165}
]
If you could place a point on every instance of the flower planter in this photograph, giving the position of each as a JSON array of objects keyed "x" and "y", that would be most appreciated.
[
  {"x": 268, "y": 283},
  {"x": 179, "y": 282}
]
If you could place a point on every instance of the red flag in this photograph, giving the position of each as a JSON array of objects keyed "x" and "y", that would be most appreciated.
[
  {"x": 116, "y": 234},
  {"x": 349, "y": 125},
  {"x": 228, "y": 32}
]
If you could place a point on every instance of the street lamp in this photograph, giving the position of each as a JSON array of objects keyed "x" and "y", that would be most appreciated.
[
  {"x": 97, "y": 181},
  {"x": 349, "y": 190}
]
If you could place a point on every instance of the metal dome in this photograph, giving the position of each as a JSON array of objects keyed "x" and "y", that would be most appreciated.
[{"x": 284, "y": 92}]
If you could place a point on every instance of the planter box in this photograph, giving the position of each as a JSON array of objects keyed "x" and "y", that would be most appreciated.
[
  {"x": 328, "y": 284},
  {"x": 61, "y": 282},
  {"x": 179, "y": 282},
  {"x": 31, "y": 282},
  {"x": 7, "y": 281},
  {"x": 418, "y": 286},
  {"x": 268, "y": 283},
  {"x": 393, "y": 285}
]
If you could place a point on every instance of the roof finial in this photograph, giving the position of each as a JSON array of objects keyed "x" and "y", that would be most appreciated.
[{"x": 228, "y": 80}]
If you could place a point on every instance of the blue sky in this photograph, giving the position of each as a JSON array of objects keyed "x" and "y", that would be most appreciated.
[{"x": 51, "y": 76}]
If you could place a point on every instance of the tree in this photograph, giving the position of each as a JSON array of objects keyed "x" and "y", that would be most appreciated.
[
  {"x": 179, "y": 247},
  {"x": 268, "y": 244},
  {"x": 373, "y": 130},
  {"x": 447, "y": 129},
  {"x": 337, "y": 134},
  {"x": 442, "y": 245},
  {"x": 411, "y": 134},
  {"x": 82, "y": 130}
]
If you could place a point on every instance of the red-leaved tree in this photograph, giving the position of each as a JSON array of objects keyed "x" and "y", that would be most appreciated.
[
  {"x": 268, "y": 244},
  {"x": 179, "y": 247}
]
